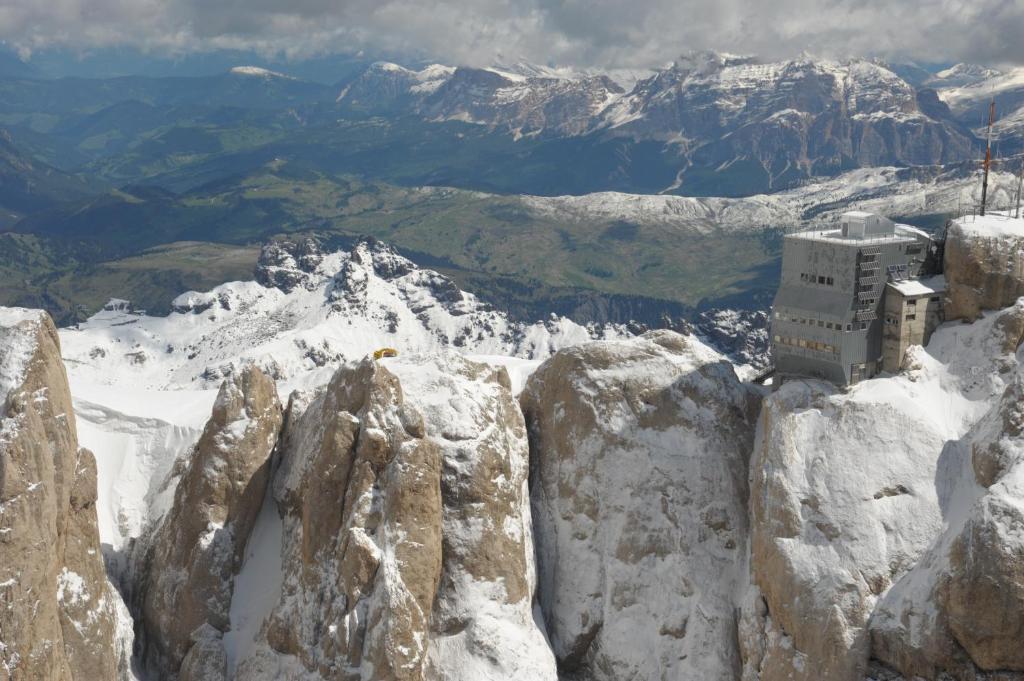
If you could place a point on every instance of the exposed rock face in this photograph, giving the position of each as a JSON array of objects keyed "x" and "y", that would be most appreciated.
[
  {"x": 961, "y": 614},
  {"x": 59, "y": 612},
  {"x": 523, "y": 104},
  {"x": 638, "y": 478},
  {"x": 407, "y": 550},
  {"x": 871, "y": 553},
  {"x": 285, "y": 264},
  {"x": 829, "y": 535},
  {"x": 984, "y": 270},
  {"x": 198, "y": 547},
  {"x": 750, "y": 126}
]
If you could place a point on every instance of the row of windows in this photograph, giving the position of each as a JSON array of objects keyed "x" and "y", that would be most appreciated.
[
  {"x": 821, "y": 324},
  {"x": 815, "y": 279},
  {"x": 807, "y": 344}
]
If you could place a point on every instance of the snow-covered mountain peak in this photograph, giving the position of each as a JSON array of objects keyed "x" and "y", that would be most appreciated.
[
  {"x": 962, "y": 74},
  {"x": 308, "y": 310}
]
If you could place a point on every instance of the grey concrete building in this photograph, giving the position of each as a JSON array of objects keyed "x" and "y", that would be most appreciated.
[
  {"x": 827, "y": 320},
  {"x": 913, "y": 310}
]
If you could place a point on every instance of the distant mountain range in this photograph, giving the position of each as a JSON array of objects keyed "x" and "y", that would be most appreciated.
[
  {"x": 467, "y": 167},
  {"x": 709, "y": 124}
]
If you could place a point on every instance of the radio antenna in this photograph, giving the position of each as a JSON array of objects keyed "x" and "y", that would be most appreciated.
[{"x": 988, "y": 153}]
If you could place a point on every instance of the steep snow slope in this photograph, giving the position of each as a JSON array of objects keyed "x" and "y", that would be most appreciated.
[{"x": 144, "y": 386}]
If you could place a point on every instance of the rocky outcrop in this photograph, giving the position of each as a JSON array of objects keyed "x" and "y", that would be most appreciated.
[
  {"x": 959, "y": 614},
  {"x": 638, "y": 476},
  {"x": 59, "y": 612},
  {"x": 874, "y": 552},
  {"x": 198, "y": 547},
  {"x": 406, "y": 541},
  {"x": 983, "y": 267},
  {"x": 838, "y": 513}
]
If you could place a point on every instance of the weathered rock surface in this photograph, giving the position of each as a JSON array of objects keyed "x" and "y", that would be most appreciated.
[
  {"x": 58, "y": 613},
  {"x": 639, "y": 484},
  {"x": 959, "y": 614},
  {"x": 406, "y": 542},
  {"x": 983, "y": 265},
  {"x": 870, "y": 553},
  {"x": 198, "y": 547}
]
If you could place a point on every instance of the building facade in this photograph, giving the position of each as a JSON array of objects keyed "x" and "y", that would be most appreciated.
[
  {"x": 827, "y": 320},
  {"x": 913, "y": 310}
]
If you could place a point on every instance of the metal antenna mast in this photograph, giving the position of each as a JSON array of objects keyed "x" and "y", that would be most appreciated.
[
  {"x": 1020, "y": 181},
  {"x": 988, "y": 153}
]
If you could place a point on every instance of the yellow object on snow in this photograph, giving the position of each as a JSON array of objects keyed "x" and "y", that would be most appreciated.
[{"x": 385, "y": 352}]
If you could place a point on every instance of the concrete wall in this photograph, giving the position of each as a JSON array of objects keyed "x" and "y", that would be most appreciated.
[{"x": 909, "y": 320}]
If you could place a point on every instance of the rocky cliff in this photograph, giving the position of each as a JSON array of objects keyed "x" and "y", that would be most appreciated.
[
  {"x": 874, "y": 551},
  {"x": 198, "y": 547},
  {"x": 639, "y": 483},
  {"x": 984, "y": 267},
  {"x": 406, "y": 540},
  {"x": 59, "y": 613}
]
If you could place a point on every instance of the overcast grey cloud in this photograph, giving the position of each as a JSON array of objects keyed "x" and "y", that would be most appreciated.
[{"x": 604, "y": 33}]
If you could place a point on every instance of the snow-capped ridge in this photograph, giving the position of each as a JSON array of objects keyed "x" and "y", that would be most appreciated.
[
  {"x": 258, "y": 71},
  {"x": 307, "y": 310}
]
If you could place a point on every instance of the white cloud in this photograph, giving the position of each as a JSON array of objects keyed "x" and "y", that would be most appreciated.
[{"x": 615, "y": 33}]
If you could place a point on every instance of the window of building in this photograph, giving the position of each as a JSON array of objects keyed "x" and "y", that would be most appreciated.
[
  {"x": 912, "y": 303},
  {"x": 802, "y": 343},
  {"x": 821, "y": 324},
  {"x": 821, "y": 280},
  {"x": 911, "y": 317},
  {"x": 830, "y": 281},
  {"x": 863, "y": 325},
  {"x": 865, "y": 288},
  {"x": 849, "y": 327},
  {"x": 935, "y": 299},
  {"x": 778, "y": 339},
  {"x": 913, "y": 250}
]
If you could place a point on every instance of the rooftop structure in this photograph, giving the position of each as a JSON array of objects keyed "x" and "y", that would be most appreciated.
[{"x": 827, "y": 320}]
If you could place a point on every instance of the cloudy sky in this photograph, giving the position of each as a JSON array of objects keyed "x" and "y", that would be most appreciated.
[{"x": 600, "y": 33}]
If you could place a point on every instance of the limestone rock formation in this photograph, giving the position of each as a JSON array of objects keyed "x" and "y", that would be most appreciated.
[
  {"x": 874, "y": 552},
  {"x": 830, "y": 534},
  {"x": 198, "y": 547},
  {"x": 639, "y": 481},
  {"x": 406, "y": 543},
  {"x": 959, "y": 614},
  {"x": 59, "y": 611},
  {"x": 983, "y": 267}
]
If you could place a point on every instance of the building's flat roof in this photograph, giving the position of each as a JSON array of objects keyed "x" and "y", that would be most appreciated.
[
  {"x": 903, "y": 233},
  {"x": 920, "y": 287}
]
